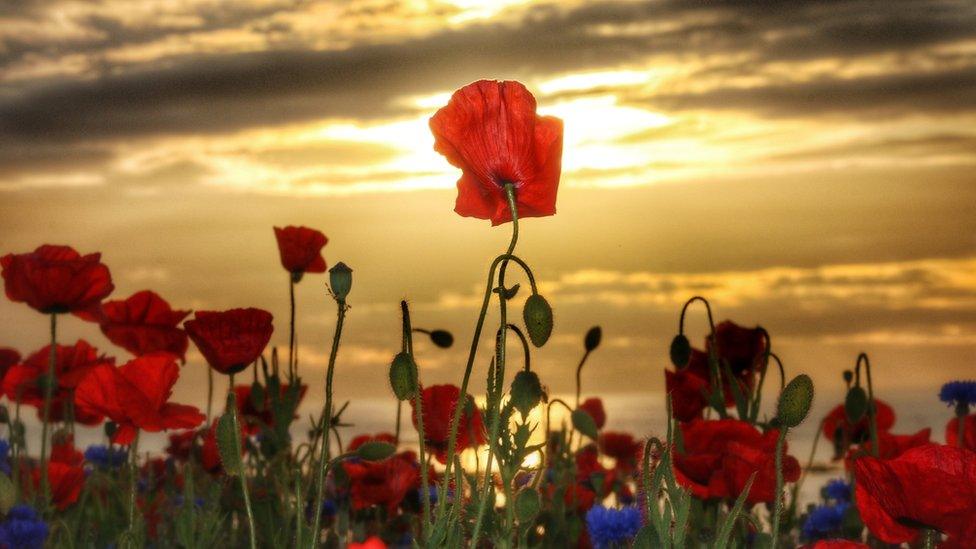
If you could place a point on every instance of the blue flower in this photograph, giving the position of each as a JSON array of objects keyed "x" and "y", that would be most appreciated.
[
  {"x": 23, "y": 528},
  {"x": 837, "y": 490},
  {"x": 609, "y": 527},
  {"x": 960, "y": 393},
  {"x": 4, "y": 456},
  {"x": 106, "y": 457},
  {"x": 824, "y": 521}
]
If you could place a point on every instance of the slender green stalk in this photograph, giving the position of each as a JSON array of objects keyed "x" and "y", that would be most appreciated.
[
  {"x": 327, "y": 424},
  {"x": 961, "y": 426},
  {"x": 419, "y": 405},
  {"x": 292, "y": 341},
  {"x": 778, "y": 504},
  {"x": 48, "y": 393},
  {"x": 872, "y": 409},
  {"x": 579, "y": 378},
  {"x": 210, "y": 386},
  {"x": 396, "y": 436},
  {"x": 133, "y": 474},
  {"x": 242, "y": 473},
  {"x": 299, "y": 507}
]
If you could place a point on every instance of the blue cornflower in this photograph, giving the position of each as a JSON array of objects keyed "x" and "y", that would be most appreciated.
[
  {"x": 610, "y": 527},
  {"x": 106, "y": 457},
  {"x": 23, "y": 528},
  {"x": 837, "y": 490},
  {"x": 4, "y": 456},
  {"x": 960, "y": 393},
  {"x": 824, "y": 521}
]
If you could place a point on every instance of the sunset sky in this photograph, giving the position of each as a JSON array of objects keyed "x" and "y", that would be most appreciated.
[{"x": 807, "y": 166}]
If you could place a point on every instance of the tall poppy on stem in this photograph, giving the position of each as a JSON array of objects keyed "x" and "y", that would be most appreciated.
[
  {"x": 300, "y": 249},
  {"x": 55, "y": 279},
  {"x": 143, "y": 323}
]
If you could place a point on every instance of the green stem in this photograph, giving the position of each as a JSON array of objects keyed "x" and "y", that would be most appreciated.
[
  {"x": 778, "y": 503},
  {"x": 579, "y": 378},
  {"x": 962, "y": 412},
  {"x": 133, "y": 474},
  {"x": 327, "y": 423},
  {"x": 872, "y": 413},
  {"x": 292, "y": 341},
  {"x": 242, "y": 474},
  {"x": 48, "y": 393},
  {"x": 210, "y": 386},
  {"x": 419, "y": 405}
]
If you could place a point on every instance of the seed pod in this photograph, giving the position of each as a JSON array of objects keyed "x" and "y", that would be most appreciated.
[
  {"x": 340, "y": 279},
  {"x": 230, "y": 451},
  {"x": 375, "y": 450},
  {"x": 680, "y": 351},
  {"x": 526, "y": 392},
  {"x": 527, "y": 505},
  {"x": 856, "y": 404},
  {"x": 795, "y": 400},
  {"x": 402, "y": 376},
  {"x": 538, "y": 319},
  {"x": 592, "y": 339},
  {"x": 848, "y": 376},
  {"x": 583, "y": 422},
  {"x": 442, "y": 338}
]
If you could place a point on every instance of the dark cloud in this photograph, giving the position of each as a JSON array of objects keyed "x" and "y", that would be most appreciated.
[{"x": 913, "y": 147}]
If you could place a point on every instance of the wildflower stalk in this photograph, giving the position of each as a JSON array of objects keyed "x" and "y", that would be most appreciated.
[
  {"x": 48, "y": 392},
  {"x": 579, "y": 374},
  {"x": 778, "y": 503},
  {"x": 419, "y": 405},
  {"x": 872, "y": 413},
  {"x": 962, "y": 410},
  {"x": 210, "y": 386},
  {"x": 292, "y": 342},
  {"x": 242, "y": 473},
  {"x": 133, "y": 474},
  {"x": 327, "y": 421},
  {"x": 499, "y": 365}
]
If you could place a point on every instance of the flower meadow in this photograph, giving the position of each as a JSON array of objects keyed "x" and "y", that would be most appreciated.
[{"x": 499, "y": 470}]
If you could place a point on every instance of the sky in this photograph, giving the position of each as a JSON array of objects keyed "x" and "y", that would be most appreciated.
[{"x": 807, "y": 166}]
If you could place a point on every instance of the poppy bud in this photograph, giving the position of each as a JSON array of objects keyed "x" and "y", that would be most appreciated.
[
  {"x": 848, "y": 376},
  {"x": 401, "y": 376},
  {"x": 680, "y": 351},
  {"x": 442, "y": 338},
  {"x": 230, "y": 452},
  {"x": 795, "y": 400},
  {"x": 375, "y": 450},
  {"x": 340, "y": 279},
  {"x": 856, "y": 404},
  {"x": 8, "y": 496},
  {"x": 110, "y": 428},
  {"x": 592, "y": 339},
  {"x": 583, "y": 422},
  {"x": 526, "y": 392},
  {"x": 527, "y": 505},
  {"x": 538, "y": 319}
]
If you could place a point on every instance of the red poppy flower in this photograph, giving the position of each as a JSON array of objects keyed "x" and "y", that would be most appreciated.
[
  {"x": 65, "y": 482},
  {"x": 63, "y": 450},
  {"x": 358, "y": 441},
  {"x": 301, "y": 250},
  {"x": 253, "y": 414},
  {"x": 135, "y": 396},
  {"x": 577, "y": 497},
  {"x": 930, "y": 486},
  {"x": 384, "y": 482},
  {"x": 230, "y": 340},
  {"x": 835, "y": 544},
  {"x": 439, "y": 402},
  {"x": 721, "y": 455},
  {"x": 594, "y": 407},
  {"x": 890, "y": 446},
  {"x": 742, "y": 348},
  {"x": 621, "y": 447},
  {"x": 56, "y": 279},
  {"x": 837, "y": 428},
  {"x": 143, "y": 323},
  {"x": 490, "y": 130},
  {"x": 590, "y": 473},
  {"x": 371, "y": 543},
  {"x": 8, "y": 357},
  {"x": 181, "y": 445},
  {"x": 24, "y": 382},
  {"x": 969, "y": 433}
]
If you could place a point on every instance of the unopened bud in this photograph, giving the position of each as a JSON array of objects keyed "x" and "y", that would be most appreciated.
[
  {"x": 795, "y": 400},
  {"x": 340, "y": 279},
  {"x": 592, "y": 339},
  {"x": 527, "y": 505},
  {"x": 526, "y": 392},
  {"x": 848, "y": 376},
  {"x": 855, "y": 404},
  {"x": 227, "y": 447},
  {"x": 375, "y": 450},
  {"x": 538, "y": 319},
  {"x": 402, "y": 376},
  {"x": 680, "y": 351},
  {"x": 442, "y": 338}
]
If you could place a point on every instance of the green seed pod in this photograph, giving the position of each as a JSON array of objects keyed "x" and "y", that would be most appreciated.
[
  {"x": 856, "y": 404},
  {"x": 442, "y": 338},
  {"x": 402, "y": 376},
  {"x": 795, "y": 400},
  {"x": 527, "y": 505},
  {"x": 340, "y": 279},
  {"x": 8, "y": 496},
  {"x": 375, "y": 451},
  {"x": 538, "y": 319},
  {"x": 583, "y": 422},
  {"x": 230, "y": 452},
  {"x": 526, "y": 392},
  {"x": 680, "y": 351},
  {"x": 592, "y": 339}
]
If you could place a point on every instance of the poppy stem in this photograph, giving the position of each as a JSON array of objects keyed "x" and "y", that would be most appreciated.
[
  {"x": 133, "y": 474},
  {"x": 210, "y": 384},
  {"x": 419, "y": 405},
  {"x": 48, "y": 392},
  {"x": 327, "y": 422},
  {"x": 242, "y": 473},
  {"x": 872, "y": 414},
  {"x": 579, "y": 376},
  {"x": 292, "y": 340},
  {"x": 778, "y": 503},
  {"x": 962, "y": 412}
]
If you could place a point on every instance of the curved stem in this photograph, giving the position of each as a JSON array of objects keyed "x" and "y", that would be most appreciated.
[
  {"x": 327, "y": 423},
  {"x": 48, "y": 393},
  {"x": 778, "y": 505},
  {"x": 579, "y": 376},
  {"x": 872, "y": 415},
  {"x": 419, "y": 405},
  {"x": 525, "y": 343},
  {"x": 684, "y": 309},
  {"x": 241, "y": 472}
]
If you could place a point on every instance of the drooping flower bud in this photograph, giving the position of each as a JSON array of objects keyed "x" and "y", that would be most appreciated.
[
  {"x": 680, "y": 351},
  {"x": 848, "y": 376},
  {"x": 401, "y": 376},
  {"x": 538, "y": 319},
  {"x": 856, "y": 404},
  {"x": 592, "y": 339},
  {"x": 527, "y": 505},
  {"x": 375, "y": 450},
  {"x": 442, "y": 338},
  {"x": 795, "y": 400},
  {"x": 340, "y": 279},
  {"x": 227, "y": 446},
  {"x": 526, "y": 392}
]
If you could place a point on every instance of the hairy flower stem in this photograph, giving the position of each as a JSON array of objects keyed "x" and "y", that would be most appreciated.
[
  {"x": 48, "y": 393},
  {"x": 496, "y": 402},
  {"x": 242, "y": 473},
  {"x": 872, "y": 409},
  {"x": 133, "y": 475},
  {"x": 419, "y": 405},
  {"x": 292, "y": 341},
  {"x": 326, "y": 424},
  {"x": 961, "y": 413},
  {"x": 210, "y": 385},
  {"x": 579, "y": 376},
  {"x": 778, "y": 503}
]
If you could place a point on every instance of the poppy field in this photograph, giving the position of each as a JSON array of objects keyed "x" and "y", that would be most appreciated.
[{"x": 514, "y": 467}]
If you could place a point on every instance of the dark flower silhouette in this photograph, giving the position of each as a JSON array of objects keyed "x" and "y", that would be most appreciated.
[
  {"x": 301, "y": 250},
  {"x": 56, "y": 279},
  {"x": 230, "y": 340}
]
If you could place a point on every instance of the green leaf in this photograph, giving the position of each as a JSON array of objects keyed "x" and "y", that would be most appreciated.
[
  {"x": 583, "y": 422},
  {"x": 725, "y": 531},
  {"x": 375, "y": 450}
]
